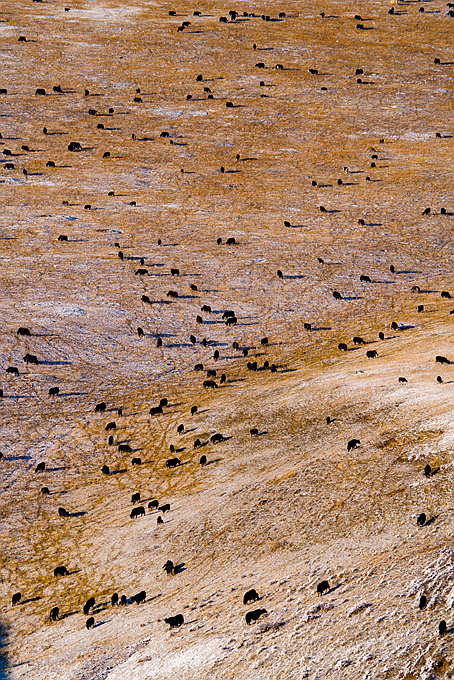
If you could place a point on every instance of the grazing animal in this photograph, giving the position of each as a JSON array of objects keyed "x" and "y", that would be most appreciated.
[
  {"x": 74, "y": 146},
  {"x": 16, "y": 598},
  {"x": 394, "y": 326},
  {"x": 254, "y": 615},
  {"x": 441, "y": 359},
  {"x": 114, "y": 599},
  {"x": 427, "y": 470},
  {"x": 53, "y": 616},
  {"x": 145, "y": 298},
  {"x": 273, "y": 368},
  {"x": 137, "y": 512},
  {"x": 211, "y": 373},
  {"x": 217, "y": 438},
  {"x": 420, "y": 308},
  {"x": 199, "y": 319},
  {"x": 403, "y": 380},
  {"x": 105, "y": 470},
  {"x": 205, "y": 308},
  {"x": 358, "y": 341},
  {"x": 40, "y": 467},
  {"x": 173, "y": 462},
  {"x": 31, "y": 359},
  {"x": 53, "y": 391},
  {"x": 381, "y": 336},
  {"x": 231, "y": 321},
  {"x": 153, "y": 504},
  {"x": 254, "y": 431},
  {"x": 23, "y": 331},
  {"x": 280, "y": 274},
  {"x": 169, "y": 568},
  {"x": 141, "y": 272},
  {"x": 371, "y": 353},
  {"x": 337, "y": 295},
  {"x": 264, "y": 341},
  {"x": 193, "y": 287},
  {"x": 175, "y": 621},
  {"x": 445, "y": 294},
  {"x": 13, "y": 370},
  {"x": 62, "y": 512},
  {"x": 250, "y": 596},
  {"x": 122, "y": 601},
  {"x": 193, "y": 410},
  {"x": 124, "y": 448},
  {"x": 421, "y": 519},
  {"x": 90, "y": 623},
  {"x": 135, "y": 498},
  {"x": 164, "y": 508},
  {"x": 159, "y": 520},
  {"x": 197, "y": 443},
  {"x": 203, "y": 460},
  {"x": 353, "y": 444},
  {"x": 322, "y": 586},
  {"x": 422, "y": 602},
  {"x": 155, "y": 410},
  {"x": 89, "y": 604},
  {"x": 136, "y": 461},
  {"x": 180, "y": 429},
  {"x": 172, "y": 294},
  {"x": 111, "y": 426},
  {"x": 198, "y": 367},
  {"x": 140, "y": 597},
  {"x": 365, "y": 278},
  {"x": 230, "y": 241},
  {"x": 174, "y": 271},
  {"x": 439, "y": 379},
  {"x": 99, "y": 408},
  {"x": 45, "y": 491},
  {"x": 342, "y": 346},
  {"x": 209, "y": 383},
  {"x": 442, "y": 628},
  {"x": 61, "y": 571},
  {"x": 307, "y": 326}
]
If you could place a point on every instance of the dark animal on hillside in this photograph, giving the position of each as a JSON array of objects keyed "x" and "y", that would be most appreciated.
[
  {"x": 280, "y": 274},
  {"x": 120, "y": 412},
  {"x": 124, "y": 448},
  {"x": 99, "y": 408},
  {"x": 15, "y": 598},
  {"x": 89, "y": 604},
  {"x": 163, "y": 402},
  {"x": 322, "y": 586},
  {"x": 199, "y": 319},
  {"x": 164, "y": 508},
  {"x": 174, "y": 271},
  {"x": 441, "y": 359},
  {"x": 111, "y": 426},
  {"x": 231, "y": 321},
  {"x": 251, "y": 365},
  {"x": 159, "y": 520},
  {"x": 420, "y": 308},
  {"x": 175, "y": 621},
  {"x": 53, "y": 616},
  {"x": 415, "y": 289},
  {"x": 337, "y": 295},
  {"x": 141, "y": 272},
  {"x": 197, "y": 443},
  {"x": 137, "y": 512},
  {"x": 193, "y": 287},
  {"x": 122, "y": 601},
  {"x": 358, "y": 341},
  {"x": 172, "y": 294},
  {"x": 203, "y": 460},
  {"x": 140, "y": 332},
  {"x": 394, "y": 326},
  {"x": 422, "y": 602},
  {"x": 40, "y": 467},
  {"x": 211, "y": 373},
  {"x": 365, "y": 278},
  {"x": 53, "y": 391},
  {"x": 427, "y": 470},
  {"x": 193, "y": 410},
  {"x": 307, "y": 326},
  {"x": 145, "y": 298},
  {"x": 23, "y": 331},
  {"x": 153, "y": 504},
  {"x": 227, "y": 313},
  {"x": 371, "y": 353},
  {"x": 105, "y": 470},
  {"x": 353, "y": 444},
  {"x": 45, "y": 491},
  {"x": 254, "y": 615},
  {"x": 172, "y": 448},
  {"x": 230, "y": 241},
  {"x": 30, "y": 359},
  {"x": 135, "y": 498},
  {"x": 381, "y": 336},
  {"x": 140, "y": 597},
  {"x": 342, "y": 346},
  {"x": 62, "y": 512},
  {"x": 273, "y": 368},
  {"x": 198, "y": 367},
  {"x": 445, "y": 294},
  {"x": 74, "y": 146},
  {"x": 421, "y": 519},
  {"x": 426, "y": 211},
  {"x": 205, "y": 308},
  {"x": 217, "y": 438},
  {"x": 13, "y": 370},
  {"x": 254, "y": 431},
  {"x": 439, "y": 379},
  {"x": 136, "y": 461},
  {"x": 62, "y": 237},
  {"x": 403, "y": 380},
  {"x": 264, "y": 341},
  {"x": 180, "y": 429},
  {"x": 442, "y": 628},
  {"x": 114, "y": 599},
  {"x": 61, "y": 571},
  {"x": 250, "y": 596},
  {"x": 90, "y": 623},
  {"x": 193, "y": 339},
  {"x": 169, "y": 568},
  {"x": 216, "y": 355},
  {"x": 209, "y": 383},
  {"x": 173, "y": 462},
  {"x": 155, "y": 410},
  {"x": 223, "y": 378}
]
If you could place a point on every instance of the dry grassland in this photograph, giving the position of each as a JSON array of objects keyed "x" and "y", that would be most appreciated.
[{"x": 287, "y": 509}]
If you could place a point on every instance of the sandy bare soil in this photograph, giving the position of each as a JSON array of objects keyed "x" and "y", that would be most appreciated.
[{"x": 322, "y": 175}]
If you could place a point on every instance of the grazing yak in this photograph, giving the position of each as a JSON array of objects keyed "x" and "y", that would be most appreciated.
[
  {"x": 61, "y": 571},
  {"x": 175, "y": 621},
  {"x": 105, "y": 470},
  {"x": 164, "y": 508},
  {"x": 124, "y": 448},
  {"x": 111, "y": 426},
  {"x": 321, "y": 587},
  {"x": 90, "y": 623},
  {"x": 441, "y": 359},
  {"x": 30, "y": 359},
  {"x": 254, "y": 431},
  {"x": 169, "y": 568},
  {"x": 13, "y": 370},
  {"x": 173, "y": 462},
  {"x": 254, "y": 615},
  {"x": 137, "y": 512},
  {"x": 371, "y": 353},
  {"x": 136, "y": 461},
  {"x": 40, "y": 467},
  {"x": 159, "y": 520},
  {"x": 153, "y": 504},
  {"x": 193, "y": 410},
  {"x": 353, "y": 444},
  {"x": 209, "y": 383},
  {"x": 217, "y": 438},
  {"x": 357, "y": 340},
  {"x": 140, "y": 597},
  {"x": 421, "y": 519},
  {"x": 89, "y": 604},
  {"x": 53, "y": 616},
  {"x": 53, "y": 391},
  {"x": 250, "y": 596},
  {"x": 342, "y": 347},
  {"x": 135, "y": 498},
  {"x": 442, "y": 628},
  {"x": 114, "y": 599},
  {"x": 422, "y": 602},
  {"x": 63, "y": 513},
  {"x": 23, "y": 331},
  {"x": 99, "y": 408},
  {"x": 203, "y": 460},
  {"x": 16, "y": 598},
  {"x": 155, "y": 410}
]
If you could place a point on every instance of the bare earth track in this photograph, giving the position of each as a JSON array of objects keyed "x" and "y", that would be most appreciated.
[{"x": 282, "y": 511}]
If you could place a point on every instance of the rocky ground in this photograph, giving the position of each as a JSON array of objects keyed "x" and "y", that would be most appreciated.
[{"x": 324, "y": 176}]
